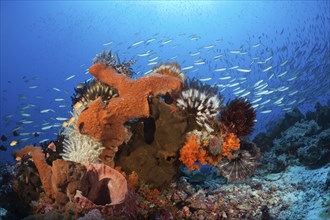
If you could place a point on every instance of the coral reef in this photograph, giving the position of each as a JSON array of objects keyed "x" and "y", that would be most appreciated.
[
  {"x": 265, "y": 139},
  {"x": 302, "y": 144},
  {"x": 321, "y": 115},
  {"x": 163, "y": 130},
  {"x": 105, "y": 122}
]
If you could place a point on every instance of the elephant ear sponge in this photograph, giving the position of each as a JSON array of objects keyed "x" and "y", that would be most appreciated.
[{"x": 239, "y": 117}]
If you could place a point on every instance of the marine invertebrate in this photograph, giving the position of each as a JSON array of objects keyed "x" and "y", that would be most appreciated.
[
  {"x": 53, "y": 149},
  {"x": 241, "y": 164},
  {"x": 231, "y": 143},
  {"x": 156, "y": 163},
  {"x": 43, "y": 168},
  {"x": 191, "y": 153},
  {"x": 109, "y": 192},
  {"x": 113, "y": 61},
  {"x": 59, "y": 181},
  {"x": 80, "y": 148},
  {"x": 215, "y": 145},
  {"x": 91, "y": 90},
  {"x": 169, "y": 69},
  {"x": 239, "y": 117},
  {"x": 105, "y": 121},
  {"x": 201, "y": 102}
]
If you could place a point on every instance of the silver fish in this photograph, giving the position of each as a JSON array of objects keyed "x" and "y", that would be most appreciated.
[
  {"x": 205, "y": 79},
  {"x": 220, "y": 69},
  {"x": 224, "y": 78},
  {"x": 188, "y": 68},
  {"x": 107, "y": 43},
  {"x": 47, "y": 127},
  {"x": 256, "y": 45},
  {"x": 61, "y": 119},
  {"x": 266, "y": 111},
  {"x": 282, "y": 74},
  {"x": 244, "y": 70},
  {"x": 267, "y": 69},
  {"x": 153, "y": 59},
  {"x": 70, "y": 77},
  {"x": 56, "y": 89},
  {"x": 137, "y": 43}
]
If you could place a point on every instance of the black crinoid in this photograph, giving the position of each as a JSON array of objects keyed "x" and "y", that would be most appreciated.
[
  {"x": 243, "y": 163},
  {"x": 201, "y": 101},
  {"x": 239, "y": 117},
  {"x": 112, "y": 60},
  {"x": 90, "y": 91}
]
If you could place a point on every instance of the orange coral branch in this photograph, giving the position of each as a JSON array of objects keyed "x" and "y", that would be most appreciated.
[{"x": 105, "y": 122}]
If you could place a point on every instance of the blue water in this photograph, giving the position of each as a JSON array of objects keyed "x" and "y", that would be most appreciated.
[{"x": 43, "y": 43}]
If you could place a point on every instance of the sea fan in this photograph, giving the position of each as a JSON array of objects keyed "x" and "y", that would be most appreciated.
[
  {"x": 239, "y": 117},
  {"x": 89, "y": 91},
  {"x": 112, "y": 60},
  {"x": 242, "y": 164},
  {"x": 200, "y": 101},
  {"x": 80, "y": 148}
]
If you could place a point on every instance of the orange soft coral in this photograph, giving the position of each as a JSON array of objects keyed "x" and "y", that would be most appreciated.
[
  {"x": 105, "y": 122},
  {"x": 231, "y": 143},
  {"x": 192, "y": 152},
  {"x": 189, "y": 152}
]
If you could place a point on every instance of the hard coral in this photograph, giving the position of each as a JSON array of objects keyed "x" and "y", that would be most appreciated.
[
  {"x": 239, "y": 117},
  {"x": 105, "y": 122}
]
